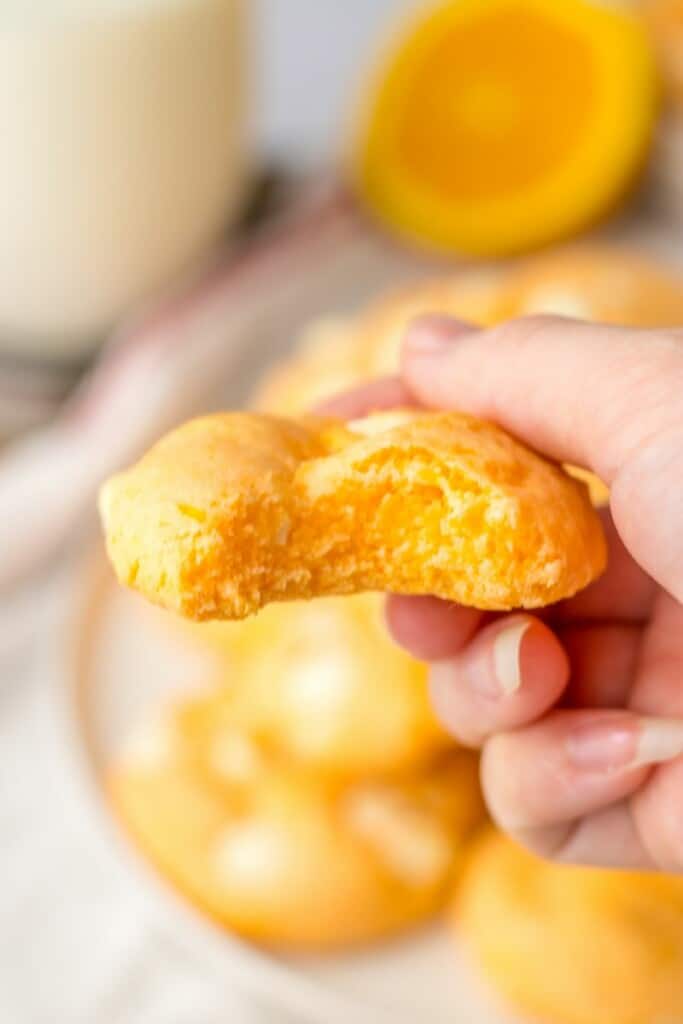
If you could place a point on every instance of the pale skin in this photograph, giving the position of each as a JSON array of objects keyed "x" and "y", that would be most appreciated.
[{"x": 578, "y": 710}]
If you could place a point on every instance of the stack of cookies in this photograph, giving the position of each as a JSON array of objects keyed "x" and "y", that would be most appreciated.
[
  {"x": 309, "y": 799},
  {"x": 278, "y": 851}
]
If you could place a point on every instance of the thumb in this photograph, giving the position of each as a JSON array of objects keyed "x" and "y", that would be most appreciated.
[{"x": 604, "y": 397}]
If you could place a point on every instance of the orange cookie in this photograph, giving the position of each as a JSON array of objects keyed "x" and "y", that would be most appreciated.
[
  {"x": 321, "y": 684},
  {"x": 235, "y": 510},
  {"x": 285, "y": 858},
  {"x": 572, "y": 945}
]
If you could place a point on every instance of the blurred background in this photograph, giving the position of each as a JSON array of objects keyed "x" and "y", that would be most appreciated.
[
  {"x": 303, "y": 104},
  {"x": 217, "y": 203}
]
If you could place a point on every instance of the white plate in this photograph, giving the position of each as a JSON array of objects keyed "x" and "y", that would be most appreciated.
[{"x": 121, "y": 660}]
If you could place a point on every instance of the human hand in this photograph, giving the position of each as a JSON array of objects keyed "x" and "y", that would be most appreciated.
[{"x": 578, "y": 710}]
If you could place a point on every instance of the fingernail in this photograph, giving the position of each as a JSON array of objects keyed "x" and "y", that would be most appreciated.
[
  {"x": 499, "y": 677},
  {"x": 506, "y": 657},
  {"x": 659, "y": 739},
  {"x": 433, "y": 335},
  {"x": 624, "y": 741}
]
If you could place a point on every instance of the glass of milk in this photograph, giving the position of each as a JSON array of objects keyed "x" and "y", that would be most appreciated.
[{"x": 123, "y": 157}]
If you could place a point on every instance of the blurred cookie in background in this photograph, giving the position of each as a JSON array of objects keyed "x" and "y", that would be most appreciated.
[
  {"x": 321, "y": 684},
  {"x": 605, "y": 283},
  {"x": 326, "y": 360},
  {"x": 608, "y": 284},
  {"x": 284, "y": 857},
  {"x": 469, "y": 295},
  {"x": 571, "y": 945},
  {"x": 337, "y": 354}
]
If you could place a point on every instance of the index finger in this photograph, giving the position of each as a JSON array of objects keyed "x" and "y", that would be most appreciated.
[{"x": 583, "y": 393}]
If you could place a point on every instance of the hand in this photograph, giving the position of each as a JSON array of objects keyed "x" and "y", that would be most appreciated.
[{"x": 578, "y": 710}]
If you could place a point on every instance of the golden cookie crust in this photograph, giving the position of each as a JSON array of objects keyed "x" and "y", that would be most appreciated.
[
  {"x": 283, "y": 857},
  {"x": 573, "y": 945},
  {"x": 235, "y": 510},
  {"x": 321, "y": 684}
]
